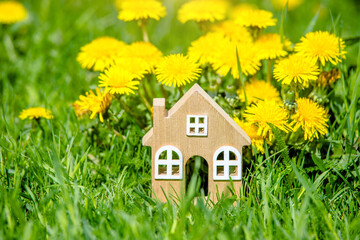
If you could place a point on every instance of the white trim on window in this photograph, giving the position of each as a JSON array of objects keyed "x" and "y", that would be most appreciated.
[
  {"x": 226, "y": 164},
  {"x": 196, "y": 125},
  {"x": 169, "y": 163}
]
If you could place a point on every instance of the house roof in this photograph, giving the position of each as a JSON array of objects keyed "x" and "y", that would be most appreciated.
[{"x": 183, "y": 100}]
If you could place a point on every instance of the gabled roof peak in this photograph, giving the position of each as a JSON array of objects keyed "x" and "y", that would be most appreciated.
[{"x": 196, "y": 88}]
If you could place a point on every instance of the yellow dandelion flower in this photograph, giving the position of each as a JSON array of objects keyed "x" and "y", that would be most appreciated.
[
  {"x": 296, "y": 69},
  {"x": 177, "y": 70},
  {"x": 118, "y": 80},
  {"x": 270, "y": 46},
  {"x": 100, "y": 53},
  {"x": 251, "y": 130},
  {"x": 79, "y": 110},
  {"x": 259, "y": 90},
  {"x": 97, "y": 103},
  {"x": 322, "y": 46},
  {"x": 141, "y": 10},
  {"x": 203, "y": 11},
  {"x": 238, "y": 9},
  {"x": 264, "y": 113},
  {"x": 256, "y": 18},
  {"x": 291, "y": 4},
  {"x": 203, "y": 48},
  {"x": 36, "y": 112},
  {"x": 136, "y": 66},
  {"x": 233, "y": 31},
  {"x": 145, "y": 51},
  {"x": 12, "y": 12},
  {"x": 225, "y": 59},
  {"x": 311, "y": 117}
]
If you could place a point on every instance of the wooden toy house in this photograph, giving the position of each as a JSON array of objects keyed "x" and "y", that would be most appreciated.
[{"x": 195, "y": 126}]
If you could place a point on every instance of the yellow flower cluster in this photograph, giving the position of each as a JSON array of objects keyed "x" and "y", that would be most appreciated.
[
  {"x": 234, "y": 32},
  {"x": 322, "y": 46},
  {"x": 226, "y": 59},
  {"x": 296, "y": 69},
  {"x": 252, "y": 131},
  {"x": 12, "y": 12},
  {"x": 144, "y": 51},
  {"x": 255, "y": 18},
  {"x": 203, "y": 11},
  {"x": 311, "y": 118},
  {"x": 118, "y": 80},
  {"x": 303, "y": 67},
  {"x": 101, "y": 53},
  {"x": 176, "y": 70},
  {"x": 122, "y": 66},
  {"x": 93, "y": 103},
  {"x": 264, "y": 113},
  {"x": 36, "y": 113},
  {"x": 233, "y": 45},
  {"x": 259, "y": 90},
  {"x": 140, "y": 10},
  {"x": 220, "y": 52},
  {"x": 235, "y": 41},
  {"x": 269, "y": 46}
]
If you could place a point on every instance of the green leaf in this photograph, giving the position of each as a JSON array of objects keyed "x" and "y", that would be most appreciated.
[
  {"x": 312, "y": 23},
  {"x": 318, "y": 162},
  {"x": 241, "y": 76},
  {"x": 279, "y": 136},
  {"x": 282, "y": 22},
  {"x": 351, "y": 40}
]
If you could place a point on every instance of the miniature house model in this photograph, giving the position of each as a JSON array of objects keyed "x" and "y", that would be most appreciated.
[{"x": 195, "y": 126}]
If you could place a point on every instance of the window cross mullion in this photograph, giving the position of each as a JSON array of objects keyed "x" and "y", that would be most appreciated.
[
  {"x": 226, "y": 163},
  {"x": 196, "y": 128},
  {"x": 168, "y": 162}
]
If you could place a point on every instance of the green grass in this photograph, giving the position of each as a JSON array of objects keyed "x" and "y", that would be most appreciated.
[{"x": 76, "y": 180}]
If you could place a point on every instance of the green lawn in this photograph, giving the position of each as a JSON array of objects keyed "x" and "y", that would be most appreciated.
[{"x": 68, "y": 178}]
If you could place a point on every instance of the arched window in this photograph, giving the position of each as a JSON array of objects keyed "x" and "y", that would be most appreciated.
[
  {"x": 227, "y": 164},
  {"x": 168, "y": 163}
]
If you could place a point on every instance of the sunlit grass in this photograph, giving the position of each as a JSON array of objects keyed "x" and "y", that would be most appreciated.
[{"x": 74, "y": 178}]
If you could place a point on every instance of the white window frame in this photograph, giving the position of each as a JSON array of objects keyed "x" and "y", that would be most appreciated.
[
  {"x": 196, "y": 125},
  {"x": 226, "y": 163},
  {"x": 169, "y": 162}
]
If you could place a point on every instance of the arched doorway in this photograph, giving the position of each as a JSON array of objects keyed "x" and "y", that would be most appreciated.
[{"x": 197, "y": 170}]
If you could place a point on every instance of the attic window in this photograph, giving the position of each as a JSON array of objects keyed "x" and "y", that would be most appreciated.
[
  {"x": 227, "y": 164},
  {"x": 196, "y": 125}
]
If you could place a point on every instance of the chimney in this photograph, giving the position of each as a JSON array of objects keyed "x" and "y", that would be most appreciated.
[{"x": 159, "y": 111}]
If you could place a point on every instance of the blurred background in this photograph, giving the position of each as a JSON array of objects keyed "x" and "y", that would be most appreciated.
[{"x": 38, "y": 64}]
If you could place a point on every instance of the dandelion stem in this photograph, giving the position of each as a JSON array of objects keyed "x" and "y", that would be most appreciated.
[
  {"x": 111, "y": 128},
  {"x": 149, "y": 78},
  {"x": 144, "y": 32},
  {"x": 163, "y": 91},
  {"x": 269, "y": 70},
  {"x": 147, "y": 96},
  {"x": 129, "y": 112},
  {"x": 181, "y": 91},
  {"x": 145, "y": 101},
  {"x": 37, "y": 120}
]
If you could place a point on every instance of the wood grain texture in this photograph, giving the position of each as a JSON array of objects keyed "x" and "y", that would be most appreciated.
[{"x": 169, "y": 128}]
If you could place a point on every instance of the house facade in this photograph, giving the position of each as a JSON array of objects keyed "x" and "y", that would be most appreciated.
[{"x": 195, "y": 126}]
